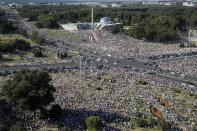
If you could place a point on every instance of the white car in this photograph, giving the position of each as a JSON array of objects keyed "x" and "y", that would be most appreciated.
[
  {"x": 182, "y": 75},
  {"x": 172, "y": 73},
  {"x": 191, "y": 86},
  {"x": 98, "y": 59},
  {"x": 183, "y": 84},
  {"x": 109, "y": 55},
  {"x": 106, "y": 60},
  {"x": 115, "y": 63}
]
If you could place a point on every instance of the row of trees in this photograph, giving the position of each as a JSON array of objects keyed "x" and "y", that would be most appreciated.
[
  {"x": 46, "y": 21},
  {"x": 128, "y": 15},
  {"x": 158, "y": 29},
  {"x": 153, "y": 23}
]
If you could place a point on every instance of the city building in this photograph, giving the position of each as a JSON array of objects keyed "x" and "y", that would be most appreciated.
[
  {"x": 116, "y": 5},
  {"x": 167, "y": 2},
  {"x": 149, "y": 2}
]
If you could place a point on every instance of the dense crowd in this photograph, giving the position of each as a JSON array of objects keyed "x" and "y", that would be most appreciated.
[
  {"x": 101, "y": 95},
  {"x": 186, "y": 66},
  {"x": 124, "y": 46},
  {"x": 116, "y": 94}
]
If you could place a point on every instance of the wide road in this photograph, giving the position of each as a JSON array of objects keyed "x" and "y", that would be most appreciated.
[{"x": 40, "y": 66}]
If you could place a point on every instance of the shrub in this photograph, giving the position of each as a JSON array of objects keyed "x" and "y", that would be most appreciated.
[
  {"x": 17, "y": 128},
  {"x": 141, "y": 82},
  {"x": 140, "y": 122},
  {"x": 176, "y": 90},
  {"x": 6, "y": 46},
  {"x": 93, "y": 123},
  {"x": 6, "y": 27},
  {"x": 9, "y": 45},
  {"x": 38, "y": 24},
  {"x": 139, "y": 115},
  {"x": 63, "y": 129},
  {"x": 164, "y": 125},
  {"x": 21, "y": 44},
  {"x": 55, "y": 112},
  {"x": 29, "y": 90},
  {"x": 4, "y": 128},
  {"x": 1, "y": 56},
  {"x": 152, "y": 122},
  {"x": 43, "y": 114},
  {"x": 37, "y": 52},
  {"x": 37, "y": 38},
  {"x": 46, "y": 21}
]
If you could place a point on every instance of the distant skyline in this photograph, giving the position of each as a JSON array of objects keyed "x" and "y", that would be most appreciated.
[{"x": 64, "y": 1}]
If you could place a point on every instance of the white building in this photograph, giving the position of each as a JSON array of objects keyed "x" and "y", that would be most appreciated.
[
  {"x": 106, "y": 24},
  {"x": 149, "y": 2},
  {"x": 116, "y": 5},
  {"x": 72, "y": 27},
  {"x": 188, "y": 3},
  {"x": 168, "y": 3}
]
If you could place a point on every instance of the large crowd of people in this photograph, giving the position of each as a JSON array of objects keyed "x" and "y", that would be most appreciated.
[
  {"x": 124, "y": 46},
  {"x": 100, "y": 94},
  {"x": 187, "y": 66},
  {"x": 115, "y": 94}
]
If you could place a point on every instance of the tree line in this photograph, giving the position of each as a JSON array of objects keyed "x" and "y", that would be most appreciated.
[{"x": 152, "y": 23}]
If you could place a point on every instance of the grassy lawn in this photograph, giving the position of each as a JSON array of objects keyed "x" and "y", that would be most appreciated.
[
  {"x": 3, "y": 79},
  {"x": 138, "y": 129},
  {"x": 10, "y": 37},
  {"x": 144, "y": 129},
  {"x": 63, "y": 34}
]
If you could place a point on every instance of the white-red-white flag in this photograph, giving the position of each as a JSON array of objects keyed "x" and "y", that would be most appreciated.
[{"x": 93, "y": 37}]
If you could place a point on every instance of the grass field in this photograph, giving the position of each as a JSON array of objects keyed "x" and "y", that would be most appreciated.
[
  {"x": 139, "y": 129},
  {"x": 63, "y": 34},
  {"x": 9, "y": 37},
  {"x": 143, "y": 129}
]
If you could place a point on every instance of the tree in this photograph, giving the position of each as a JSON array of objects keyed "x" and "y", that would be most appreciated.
[
  {"x": 43, "y": 113},
  {"x": 56, "y": 112},
  {"x": 21, "y": 44},
  {"x": 6, "y": 27},
  {"x": 17, "y": 128},
  {"x": 1, "y": 56},
  {"x": 29, "y": 90},
  {"x": 46, "y": 21},
  {"x": 37, "y": 38},
  {"x": 4, "y": 128},
  {"x": 93, "y": 123},
  {"x": 117, "y": 29},
  {"x": 63, "y": 129},
  {"x": 141, "y": 122},
  {"x": 165, "y": 126},
  {"x": 152, "y": 122},
  {"x": 10, "y": 44},
  {"x": 37, "y": 52}
]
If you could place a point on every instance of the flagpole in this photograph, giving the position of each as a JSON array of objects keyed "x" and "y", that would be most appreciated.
[{"x": 92, "y": 18}]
